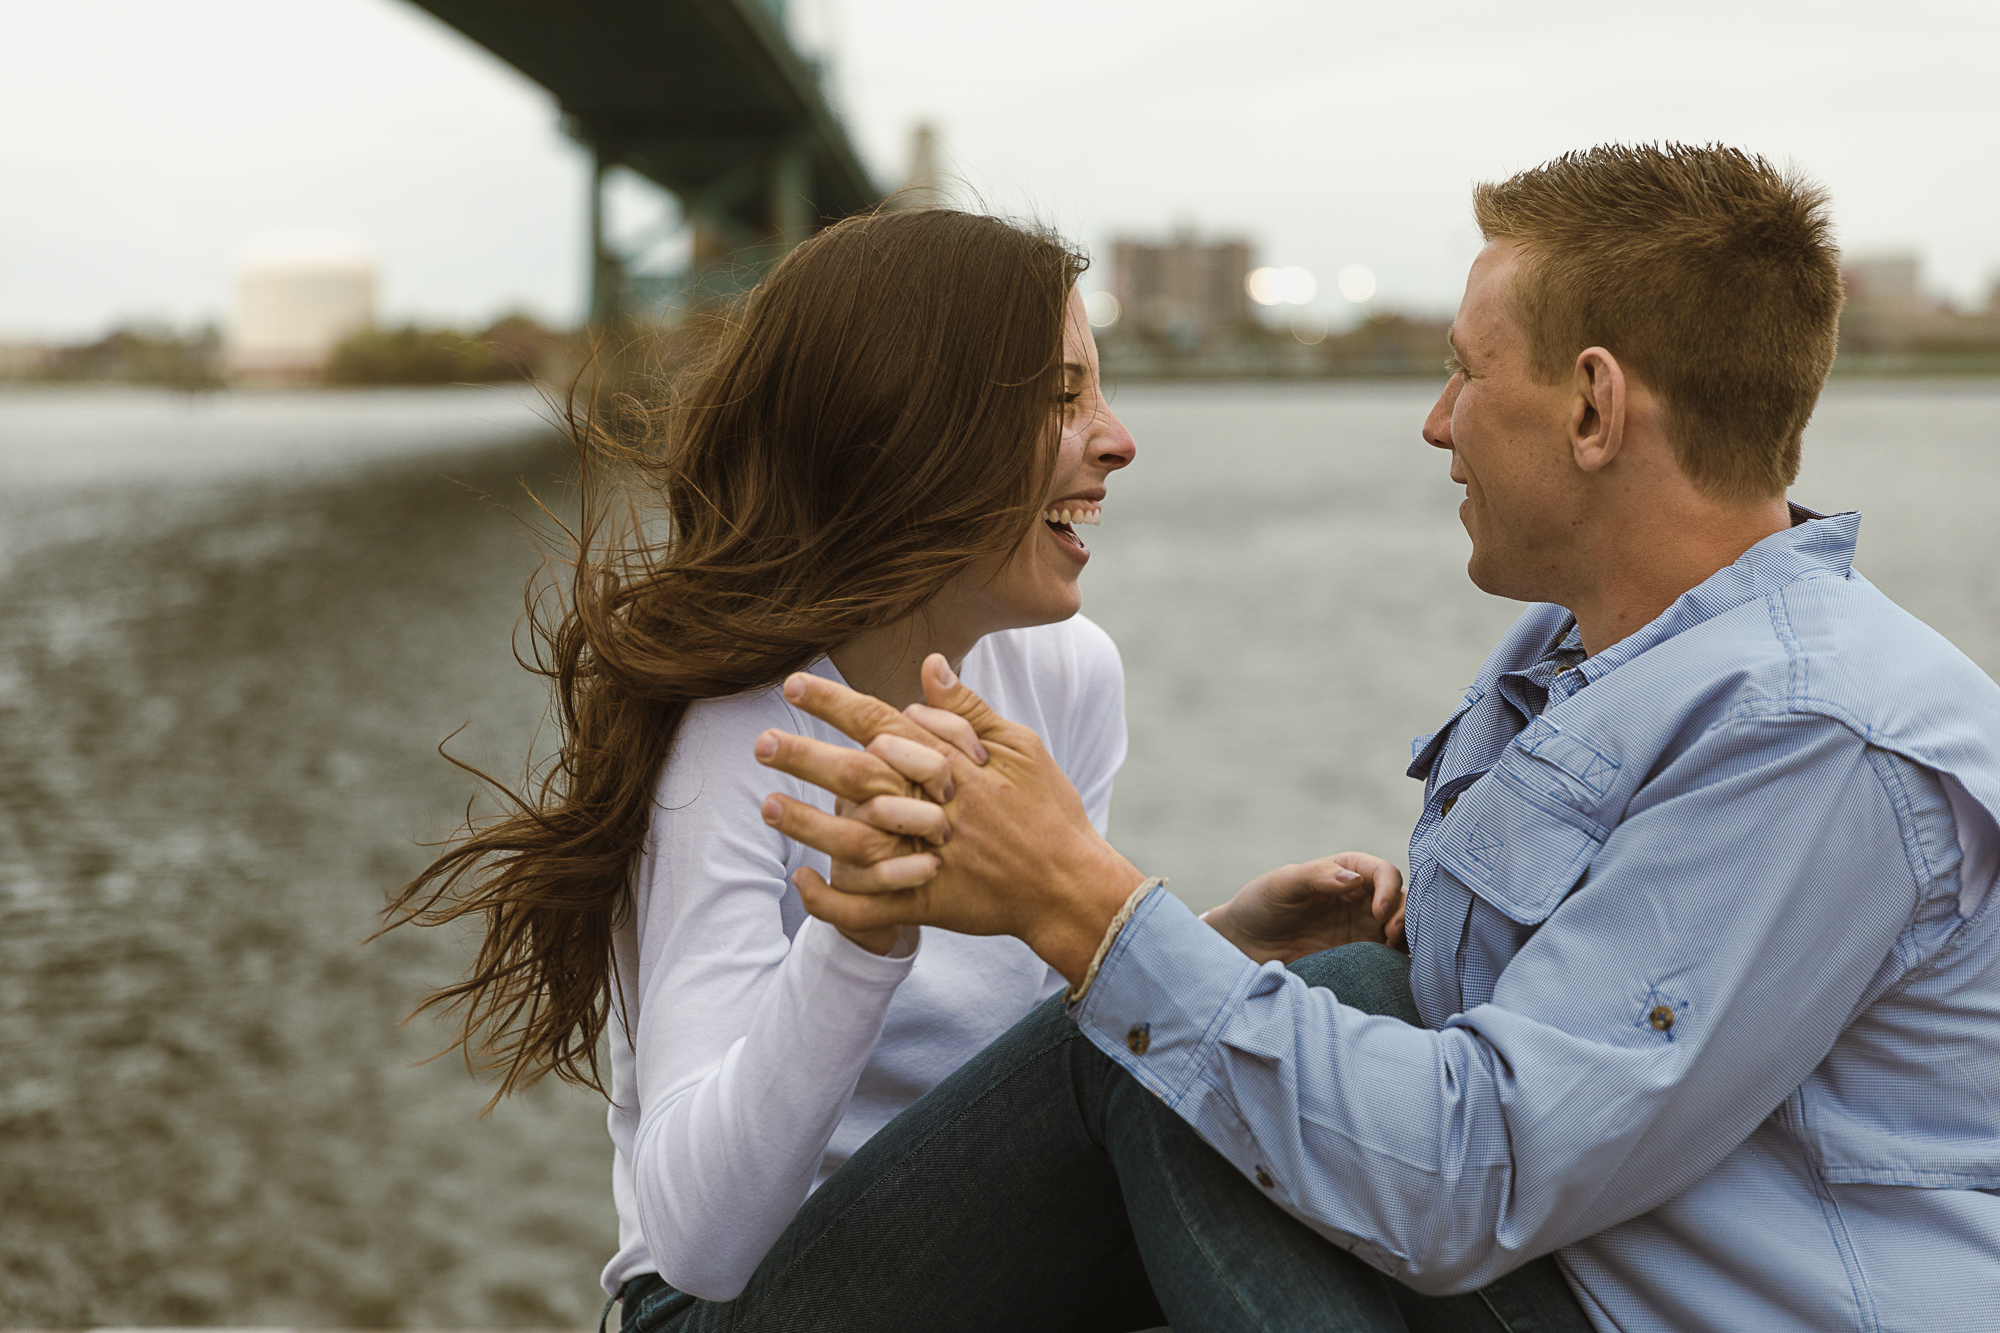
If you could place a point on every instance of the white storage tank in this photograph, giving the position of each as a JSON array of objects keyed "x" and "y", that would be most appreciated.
[{"x": 297, "y": 295}]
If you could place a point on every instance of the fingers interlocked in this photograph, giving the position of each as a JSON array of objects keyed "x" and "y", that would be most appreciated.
[
  {"x": 877, "y": 842},
  {"x": 889, "y": 797}
]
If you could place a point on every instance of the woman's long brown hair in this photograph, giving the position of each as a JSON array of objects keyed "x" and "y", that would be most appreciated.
[{"x": 877, "y": 417}]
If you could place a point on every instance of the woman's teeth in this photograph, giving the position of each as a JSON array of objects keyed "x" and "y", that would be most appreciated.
[{"x": 1073, "y": 516}]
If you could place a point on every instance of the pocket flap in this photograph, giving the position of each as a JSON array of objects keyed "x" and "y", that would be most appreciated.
[
  {"x": 1589, "y": 771},
  {"x": 1512, "y": 850}
]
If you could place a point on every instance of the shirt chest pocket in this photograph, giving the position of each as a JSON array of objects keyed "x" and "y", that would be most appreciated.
[
  {"x": 1522, "y": 836},
  {"x": 1511, "y": 848}
]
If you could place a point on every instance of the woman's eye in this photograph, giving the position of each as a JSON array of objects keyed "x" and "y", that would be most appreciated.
[{"x": 1069, "y": 398}]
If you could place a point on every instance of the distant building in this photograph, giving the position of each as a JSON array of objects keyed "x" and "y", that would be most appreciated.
[
  {"x": 1888, "y": 310},
  {"x": 22, "y": 361},
  {"x": 928, "y": 184},
  {"x": 1185, "y": 290},
  {"x": 1886, "y": 304},
  {"x": 297, "y": 296}
]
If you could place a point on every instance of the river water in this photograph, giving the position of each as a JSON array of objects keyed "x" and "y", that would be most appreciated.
[{"x": 232, "y": 630}]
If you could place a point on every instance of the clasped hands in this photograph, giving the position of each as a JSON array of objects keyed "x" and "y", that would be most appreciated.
[{"x": 956, "y": 817}]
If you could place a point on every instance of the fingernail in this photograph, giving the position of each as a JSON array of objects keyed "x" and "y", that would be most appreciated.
[
  {"x": 950, "y": 790},
  {"x": 1344, "y": 876},
  {"x": 795, "y": 686},
  {"x": 767, "y": 745},
  {"x": 945, "y": 675},
  {"x": 981, "y": 755},
  {"x": 774, "y": 809}
]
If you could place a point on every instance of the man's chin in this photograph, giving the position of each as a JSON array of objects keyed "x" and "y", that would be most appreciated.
[
  {"x": 1501, "y": 579},
  {"x": 1487, "y": 576}
]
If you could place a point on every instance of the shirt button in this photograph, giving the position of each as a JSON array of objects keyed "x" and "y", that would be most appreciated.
[
  {"x": 1140, "y": 1039},
  {"x": 1662, "y": 1018},
  {"x": 1264, "y": 1179}
]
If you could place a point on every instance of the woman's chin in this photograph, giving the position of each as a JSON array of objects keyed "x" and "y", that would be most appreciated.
[
  {"x": 1061, "y": 604},
  {"x": 1046, "y": 605}
]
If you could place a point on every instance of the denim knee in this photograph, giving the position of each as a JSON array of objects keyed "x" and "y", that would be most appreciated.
[{"x": 1370, "y": 977}]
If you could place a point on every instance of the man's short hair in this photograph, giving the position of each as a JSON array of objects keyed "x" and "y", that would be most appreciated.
[{"x": 1707, "y": 272}]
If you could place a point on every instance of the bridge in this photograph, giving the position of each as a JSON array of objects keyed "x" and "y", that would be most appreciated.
[{"x": 707, "y": 99}]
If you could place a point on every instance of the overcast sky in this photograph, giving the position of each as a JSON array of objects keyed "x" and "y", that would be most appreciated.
[{"x": 145, "y": 144}]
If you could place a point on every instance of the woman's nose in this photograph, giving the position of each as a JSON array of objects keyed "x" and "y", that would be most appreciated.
[{"x": 1110, "y": 443}]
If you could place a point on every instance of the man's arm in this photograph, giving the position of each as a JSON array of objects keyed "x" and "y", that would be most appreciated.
[
  {"x": 1757, "y": 909},
  {"x": 1756, "y": 893}
]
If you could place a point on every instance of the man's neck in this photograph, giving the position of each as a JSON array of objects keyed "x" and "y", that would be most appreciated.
[{"x": 1648, "y": 563}]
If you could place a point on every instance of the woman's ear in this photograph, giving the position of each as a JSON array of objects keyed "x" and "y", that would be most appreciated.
[{"x": 1597, "y": 413}]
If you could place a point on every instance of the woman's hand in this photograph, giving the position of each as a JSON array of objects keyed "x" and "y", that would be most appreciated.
[
  {"x": 1294, "y": 911},
  {"x": 948, "y": 727},
  {"x": 1015, "y": 852}
]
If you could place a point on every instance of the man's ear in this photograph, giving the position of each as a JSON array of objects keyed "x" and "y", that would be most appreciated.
[{"x": 1597, "y": 413}]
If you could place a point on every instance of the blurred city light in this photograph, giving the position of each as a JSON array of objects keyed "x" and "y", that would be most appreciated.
[
  {"x": 1102, "y": 309},
  {"x": 1281, "y": 286},
  {"x": 1309, "y": 327},
  {"x": 1357, "y": 282}
]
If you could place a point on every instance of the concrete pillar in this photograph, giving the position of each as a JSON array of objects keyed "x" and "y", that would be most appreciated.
[
  {"x": 791, "y": 210},
  {"x": 607, "y": 269}
]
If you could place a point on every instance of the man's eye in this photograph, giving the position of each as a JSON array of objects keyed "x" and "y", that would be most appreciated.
[{"x": 1452, "y": 366}]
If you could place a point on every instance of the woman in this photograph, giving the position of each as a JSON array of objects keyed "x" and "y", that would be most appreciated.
[{"x": 887, "y": 457}]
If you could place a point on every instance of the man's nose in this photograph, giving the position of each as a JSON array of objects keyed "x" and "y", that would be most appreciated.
[{"x": 1437, "y": 426}]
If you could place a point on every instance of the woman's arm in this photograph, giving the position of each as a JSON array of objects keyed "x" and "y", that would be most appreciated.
[{"x": 747, "y": 1043}]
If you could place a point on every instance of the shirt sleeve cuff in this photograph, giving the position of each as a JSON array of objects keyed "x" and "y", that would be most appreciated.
[
  {"x": 1132, "y": 901},
  {"x": 833, "y": 953},
  {"x": 1156, "y": 1002}
]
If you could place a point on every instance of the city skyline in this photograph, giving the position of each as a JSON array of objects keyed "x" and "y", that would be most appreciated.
[{"x": 151, "y": 146}]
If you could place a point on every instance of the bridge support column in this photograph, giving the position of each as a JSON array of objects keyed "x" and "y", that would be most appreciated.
[
  {"x": 607, "y": 268},
  {"x": 791, "y": 209}
]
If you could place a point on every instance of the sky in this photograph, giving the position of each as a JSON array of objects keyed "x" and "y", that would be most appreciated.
[{"x": 144, "y": 147}]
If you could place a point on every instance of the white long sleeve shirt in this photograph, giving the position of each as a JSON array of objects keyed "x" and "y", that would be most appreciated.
[{"x": 754, "y": 1049}]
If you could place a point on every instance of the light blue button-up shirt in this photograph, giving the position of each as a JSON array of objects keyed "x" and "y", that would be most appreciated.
[{"x": 1710, "y": 976}]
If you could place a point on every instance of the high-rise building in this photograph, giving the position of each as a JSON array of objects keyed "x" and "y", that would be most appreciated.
[
  {"x": 297, "y": 296},
  {"x": 1186, "y": 289},
  {"x": 1889, "y": 311}
]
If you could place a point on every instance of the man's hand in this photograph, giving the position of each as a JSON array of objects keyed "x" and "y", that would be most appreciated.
[
  {"x": 1014, "y": 855},
  {"x": 1297, "y": 910}
]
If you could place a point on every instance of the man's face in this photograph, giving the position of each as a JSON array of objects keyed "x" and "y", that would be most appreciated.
[{"x": 1509, "y": 442}]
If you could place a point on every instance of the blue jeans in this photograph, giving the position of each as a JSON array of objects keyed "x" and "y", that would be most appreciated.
[{"x": 1024, "y": 1191}]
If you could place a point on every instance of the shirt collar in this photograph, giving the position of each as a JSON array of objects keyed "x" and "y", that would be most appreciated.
[{"x": 1815, "y": 545}]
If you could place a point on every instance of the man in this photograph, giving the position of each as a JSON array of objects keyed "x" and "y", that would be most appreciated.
[{"x": 1701, "y": 937}]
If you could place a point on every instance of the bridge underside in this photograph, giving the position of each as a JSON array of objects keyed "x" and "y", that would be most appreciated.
[{"x": 706, "y": 98}]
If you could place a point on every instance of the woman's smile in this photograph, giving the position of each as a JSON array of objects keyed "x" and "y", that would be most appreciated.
[{"x": 1062, "y": 519}]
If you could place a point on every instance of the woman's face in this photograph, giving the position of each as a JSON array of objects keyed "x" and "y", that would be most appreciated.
[{"x": 1037, "y": 583}]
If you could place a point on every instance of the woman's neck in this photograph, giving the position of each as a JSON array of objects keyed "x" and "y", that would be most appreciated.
[{"x": 888, "y": 662}]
